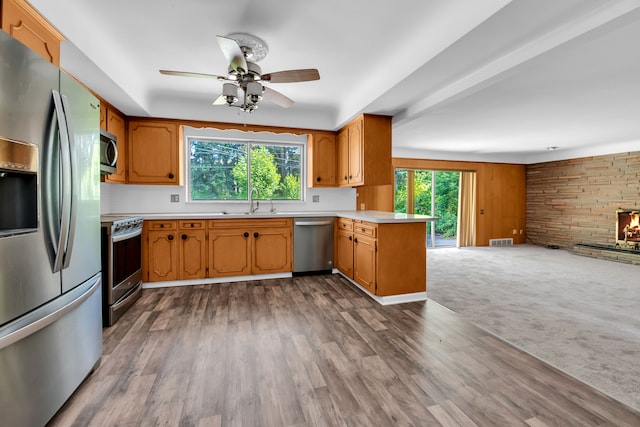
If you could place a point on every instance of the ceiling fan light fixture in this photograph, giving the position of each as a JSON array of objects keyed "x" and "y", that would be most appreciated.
[
  {"x": 254, "y": 92},
  {"x": 230, "y": 92}
]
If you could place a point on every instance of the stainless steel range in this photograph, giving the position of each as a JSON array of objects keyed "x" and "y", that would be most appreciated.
[{"x": 121, "y": 265}]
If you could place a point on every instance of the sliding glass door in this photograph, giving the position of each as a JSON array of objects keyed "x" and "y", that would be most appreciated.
[{"x": 434, "y": 193}]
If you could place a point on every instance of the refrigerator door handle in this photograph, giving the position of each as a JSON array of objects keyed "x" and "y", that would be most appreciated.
[
  {"x": 65, "y": 172},
  {"x": 71, "y": 170}
]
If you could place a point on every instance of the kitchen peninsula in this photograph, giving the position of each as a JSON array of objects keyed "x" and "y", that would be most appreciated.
[{"x": 383, "y": 253}]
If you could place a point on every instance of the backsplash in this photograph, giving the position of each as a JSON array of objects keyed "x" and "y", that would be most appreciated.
[{"x": 147, "y": 199}]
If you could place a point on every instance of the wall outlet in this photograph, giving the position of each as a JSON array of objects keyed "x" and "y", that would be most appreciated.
[
  {"x": 175, "y": 198},
  {"x": 362, "y": 207},
  {"x": 515, "y": 231},
  {"x": 315, "y": 199}
]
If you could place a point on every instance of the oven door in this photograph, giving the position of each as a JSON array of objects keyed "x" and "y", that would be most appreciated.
[{"x": 126, "y": 270}]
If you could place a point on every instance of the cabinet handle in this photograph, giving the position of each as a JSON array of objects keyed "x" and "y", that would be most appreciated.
[
  {"x": 170, "y": 237},
  {"x": 256, "y": 234},
  {"x": 161, "y": 225},
  {"x": 246, "y": 234},
  {"x": 345, "y": 177},
  {"x": 184, "y": 237},
  {"x": 350, "y": 177},
  {"x": 318, "y": 179},
  {"x": 350, "y": 238},
  {"x": 355, "y": 240},
  {"x": 170, "y": 175}
]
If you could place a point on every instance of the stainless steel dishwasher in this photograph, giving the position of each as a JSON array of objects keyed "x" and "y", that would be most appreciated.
[{"x": 312, "y": 244}]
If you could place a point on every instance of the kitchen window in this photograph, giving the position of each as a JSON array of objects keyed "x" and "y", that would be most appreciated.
[{"x": 227, "y": 169}]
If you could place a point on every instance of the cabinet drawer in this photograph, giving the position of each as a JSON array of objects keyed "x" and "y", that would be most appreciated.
[
  {"x": 161, "y": 225},
  {"x": 192, "y": 224},
  {"x": 249, "y": 223},
  {"x": 366, "y": 229},
  {"x": 345, "y": 224}
]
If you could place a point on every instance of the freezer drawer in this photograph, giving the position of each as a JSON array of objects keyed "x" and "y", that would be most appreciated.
[{"x": 47, "y": 354}]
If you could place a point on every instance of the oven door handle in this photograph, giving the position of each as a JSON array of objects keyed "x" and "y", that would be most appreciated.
[{"x": 127, "y": 235}]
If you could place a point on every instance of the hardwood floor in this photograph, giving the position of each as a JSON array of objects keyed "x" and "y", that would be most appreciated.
[{"x": 315, "y": 351}]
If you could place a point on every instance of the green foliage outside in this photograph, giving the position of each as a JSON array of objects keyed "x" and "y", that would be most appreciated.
[
  {"x": 446, "y": 202},
  {"x": 219, "y": 171}
]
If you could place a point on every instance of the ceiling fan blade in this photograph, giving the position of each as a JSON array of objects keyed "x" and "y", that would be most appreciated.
[
  {"x": 292, "y": 76},
  {"x": 231, "y": 50},
  {"x": 276, "y": 97},
  {"x": 221, "y": 100},
  {"x": 189, "y": 74}
]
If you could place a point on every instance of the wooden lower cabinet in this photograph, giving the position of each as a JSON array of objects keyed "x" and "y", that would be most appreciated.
[
  {"x": 192, "y": 250},
  {"x": 240, "y": 247},
  {"x": 364, "y": 262},
  {"x": 229, "y": 252},
  {"x": 160, "y": 251},
  {"x": 344, "y": 252},
  {"x": 385, "y": 259}
]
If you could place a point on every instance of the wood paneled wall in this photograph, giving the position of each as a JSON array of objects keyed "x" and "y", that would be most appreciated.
[
  {"x": 574, "y": 201},
  {"x": 501, "y": 195}
]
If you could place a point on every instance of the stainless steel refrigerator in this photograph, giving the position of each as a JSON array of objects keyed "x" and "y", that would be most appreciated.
[{"x": 50, "y": 296}]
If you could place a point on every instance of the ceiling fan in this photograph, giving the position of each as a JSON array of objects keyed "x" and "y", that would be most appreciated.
[{"x": 242, "y": 52}]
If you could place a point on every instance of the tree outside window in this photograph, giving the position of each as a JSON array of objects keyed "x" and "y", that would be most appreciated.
[{"x": 221, "y": 170}]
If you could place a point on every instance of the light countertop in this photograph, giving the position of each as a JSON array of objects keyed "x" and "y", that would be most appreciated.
[{"x": 378, "y": 217}]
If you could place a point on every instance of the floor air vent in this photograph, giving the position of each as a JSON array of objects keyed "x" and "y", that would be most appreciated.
[{"x": 501, "y": 242}]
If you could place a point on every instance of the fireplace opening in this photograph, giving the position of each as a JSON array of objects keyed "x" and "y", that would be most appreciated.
[{"x": 628, "y": 229}]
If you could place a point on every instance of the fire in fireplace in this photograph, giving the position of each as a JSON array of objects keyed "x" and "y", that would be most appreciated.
[{"x": 628, "y": 229}]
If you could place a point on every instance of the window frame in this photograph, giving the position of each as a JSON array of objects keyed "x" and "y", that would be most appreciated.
[{"x": 252, "y": 141}]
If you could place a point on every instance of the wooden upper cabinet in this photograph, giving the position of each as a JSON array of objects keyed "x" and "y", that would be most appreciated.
[
  {"x": 364, "y": 152},
  {"x": 116, "y": 125},
  {"x": 154, "y": 153},
  {"x": 342, "y": 174},
  {"x": 356, "y": 141},
  {"x": 25, "y": 24},
  {"x": 103, "y": 115},
  {"x": 321, "y": 152}
]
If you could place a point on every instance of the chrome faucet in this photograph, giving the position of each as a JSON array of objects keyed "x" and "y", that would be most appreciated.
[
  {"x": 251, "y": 208},
  {"x": 272, "y": 210}
]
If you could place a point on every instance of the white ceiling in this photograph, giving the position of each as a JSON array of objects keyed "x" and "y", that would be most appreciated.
[{"x": 490, "y": 80}]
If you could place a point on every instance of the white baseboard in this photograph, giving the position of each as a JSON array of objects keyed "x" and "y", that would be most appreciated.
[
  {"x": 170, "y": 283},
  {"x": 388, "y": 300},
  {"x": 382, "y": 300}
]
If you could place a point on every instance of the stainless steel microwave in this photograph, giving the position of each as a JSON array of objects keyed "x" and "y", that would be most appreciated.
[{"x": 108, "y": 153}]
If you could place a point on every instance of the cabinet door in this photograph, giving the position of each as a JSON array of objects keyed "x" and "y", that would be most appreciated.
[
  {"x": 193, "y": 254},
  {"x": 154, "y": 152},
  {"x": 356, "y": 171},
  {"x": 22, "y": 22},
  {"x": 342, "y": 173},
  {"x": 364, "y": 262},
  {"x": 103, "y": 116},
  {"x": 163, "y": 256},
  {"x": 271, "y": 250},
  {"x": 344, "y": 253},
  {"x": 322, "y": 160},
  {"x": 229, "y": 252},
  {"x": 116, "y": 125}
]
